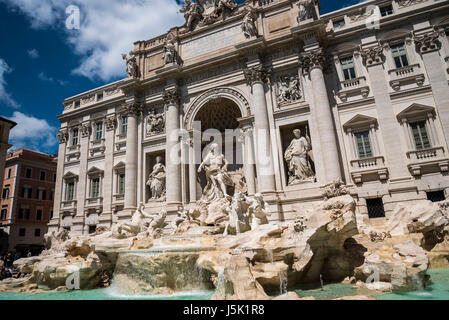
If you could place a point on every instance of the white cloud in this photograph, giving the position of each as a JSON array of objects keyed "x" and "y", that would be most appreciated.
[
  {"x": 32, "y": 133},
  {"x": 33, "y": 53},
  {"x": 46, "y": 78},
  {"x": 5, "y": 97},
  {"x": 108, "y": 28}
]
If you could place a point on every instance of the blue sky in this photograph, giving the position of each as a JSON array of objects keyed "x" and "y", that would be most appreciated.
[{"x": 42, "y": 62}]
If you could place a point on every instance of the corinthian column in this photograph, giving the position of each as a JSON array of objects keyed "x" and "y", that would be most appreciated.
[
  {"x": 313, "y": 63},
  {"x": 256, "y": 76},
  {"x": 172, "y": 152},
  {"x": 133, "y": 112}
]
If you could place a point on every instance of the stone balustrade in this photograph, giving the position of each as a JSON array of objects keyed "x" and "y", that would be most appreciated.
[
  {"x": 400, "y": 76},
  {"x": 352, "y": 87}
]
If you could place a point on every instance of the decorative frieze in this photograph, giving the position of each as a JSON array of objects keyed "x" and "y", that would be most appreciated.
[
  {"x": 155, "y": 123},
  {"x": 428, "y": 42},
  {"x": 112, "y": 91},
  {"x": 256, "y": 74},
  {"x": 88, "y": 99},
  {"x": 373, "y": 56},
  {"x": 408, "y": 3}
]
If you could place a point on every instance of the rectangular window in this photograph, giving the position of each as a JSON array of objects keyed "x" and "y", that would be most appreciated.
[
  {"x": 54, "y": 177},
  {"x": 386, "y": 11},
  {"x": 43, "y": 176},
  {"x": 70, "y": 190},
  {"x": 9, "y": 173},
  {"x": 27, "y": 214},
  {"x": 92, "y": 229},
  {"x": 20, "y": 213},
  {"x": 27, "y": 192},
  {"x": 51, "y": 214},
  {"x": 22, "y": 232},
  {"x": 363, "y": 144},
  {"x": 99, "y": 131},
  {"x": 436, "y": 196},
  {"x": 39, "y": 214},
  {"x": 121, "y": 183},
  {"x": 28, "y": 173},
  {"x": 124, "y": 124},
  {"x": 37, "y": 232},
  {"x": 375, "y": 208},
  {"x": 339, "y": 24},
  {"x": 4, "y": 213},
  {"x": 347, "y": 65},
  {"x": 75, "y": 135},
  {"x": 42, "y": 194},
  {"x": 77, "y": 104},
  {"x": 99, "y": 97},
  {"x": 52, "y": 195},
  {"x": 420, "y": 135},
  {"x": 5, "y": 194},
  {"x": 95, "y": 183},
  {"x": 399, "y": 56}
]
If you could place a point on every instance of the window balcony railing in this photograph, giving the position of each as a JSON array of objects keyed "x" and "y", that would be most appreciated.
[
  {"x": 427, "y": 159},
  {"x": 407, "y": 74},
  {"x": 94, "y": 201},
  {"x": 362, "y": 169},
  {"x": 119, "y": 197},
  {"x": 368, "y": 163},
  {"x": 357, "y": 86},
  {"x": 68, "y": 204}
]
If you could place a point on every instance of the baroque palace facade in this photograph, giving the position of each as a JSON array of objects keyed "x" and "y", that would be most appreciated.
[{"x": 359, "y": 95}]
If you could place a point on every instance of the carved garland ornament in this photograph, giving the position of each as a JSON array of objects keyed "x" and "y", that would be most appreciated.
[
  {"x": 85, "y": 129},
  {"x": 110, "y": 123}
]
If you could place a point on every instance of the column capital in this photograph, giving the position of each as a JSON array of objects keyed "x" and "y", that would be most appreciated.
[
  {"x": 310, "y": 60},
  {"x": 171, "y": 96},
  {"x": 256, "y": 74},
  {"x": 110, "y": 123},
  {"x": 373, "y": 56},
  {"x": 133, "y": 109},
  {"x": 85, "y": 129},
  {"x": 63, "y": 136},
  {"x": 428, "y": 42}
]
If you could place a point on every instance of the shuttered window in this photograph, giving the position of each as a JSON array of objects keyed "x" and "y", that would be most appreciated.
[{"x": 363, "y": 144}]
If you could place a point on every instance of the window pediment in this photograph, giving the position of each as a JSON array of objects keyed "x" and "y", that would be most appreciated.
[
  {"x": 119, "y": 166},
  {"x": 94, "y": 171},
  {"x": 70, "y": 175},
  {"x": 359, "y": 121},
  {"x": 415, "y": 110}
]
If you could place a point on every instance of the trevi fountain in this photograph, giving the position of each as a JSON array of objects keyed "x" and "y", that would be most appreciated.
[{"x": 296, "y": 229}]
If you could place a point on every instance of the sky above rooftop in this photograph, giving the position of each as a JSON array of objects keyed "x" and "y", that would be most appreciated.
[{"x": 42, "y": 62}]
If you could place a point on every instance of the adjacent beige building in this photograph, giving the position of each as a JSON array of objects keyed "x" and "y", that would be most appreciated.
[{"x": 367, "y": 86}]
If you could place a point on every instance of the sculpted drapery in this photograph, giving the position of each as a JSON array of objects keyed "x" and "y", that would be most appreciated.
[{"x": 298, "y": 159}]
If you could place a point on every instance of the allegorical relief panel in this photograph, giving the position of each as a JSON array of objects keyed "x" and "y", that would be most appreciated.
[
  {"x": 155, "y": 122},
  {"x": 288, "y": 89}
]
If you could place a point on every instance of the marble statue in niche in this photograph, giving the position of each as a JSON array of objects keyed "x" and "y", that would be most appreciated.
[
  {"x": 215, "y": 166},
  {"x": 306, "y": 10},
  {"x": 289, "y": 89},
  {"x": 156, "y": 180},
  {"x": 248, "y": 25},
  {"x": 155, "y": 123},
  {"x": 297, "y": 157},
  {"x": 131, "y": 65}
]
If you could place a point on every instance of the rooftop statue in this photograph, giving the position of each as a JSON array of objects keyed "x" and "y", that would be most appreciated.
[
  {"x": 306, "y": 10},
  {"x": 131, "y": 65},
  {"x": 169, "y": 55},
  {"x": 248, "y": 25},
  {"x": 193, "y": 13}
]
